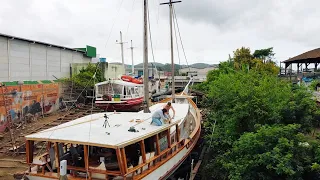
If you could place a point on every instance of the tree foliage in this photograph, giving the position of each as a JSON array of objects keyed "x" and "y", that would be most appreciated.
[
  {"x": 273, "y": 152},
  {"x": 259, "y": 121},
  {"x": 85, "y": 77},
  {"x": 264, "y": 54}
]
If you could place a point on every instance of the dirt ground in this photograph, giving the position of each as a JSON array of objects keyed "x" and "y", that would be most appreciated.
[{"x": 10, "y": 165}]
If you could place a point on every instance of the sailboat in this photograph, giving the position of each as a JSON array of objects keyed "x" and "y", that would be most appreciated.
[{"x": 117, "y": 145}]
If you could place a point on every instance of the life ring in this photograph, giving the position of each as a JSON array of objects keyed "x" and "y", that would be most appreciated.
[
  {"x": 137, "y": 81},
  {"x": 126, "y": 78}
]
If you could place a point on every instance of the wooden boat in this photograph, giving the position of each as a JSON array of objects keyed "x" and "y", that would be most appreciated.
[
  {"x": 117, "y": 145},
  {"x": 119, "y": 95},
  {"x": 122, "y": 145}
]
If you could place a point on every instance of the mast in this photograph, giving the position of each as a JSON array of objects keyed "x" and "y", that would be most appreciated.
[
  {"x": 171, "y": 42},
  {"x": 145, "y": 57},
  {"x": 122, "y": 58},
  {"x": 132, "y": 67}
]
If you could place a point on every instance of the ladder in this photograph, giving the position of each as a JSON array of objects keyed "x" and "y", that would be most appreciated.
[{"x": 8, "y": 107}]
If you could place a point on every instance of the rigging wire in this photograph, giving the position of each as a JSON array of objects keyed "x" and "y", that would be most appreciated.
[
  {"x": 130, "y": 19},
  {"x": 176, "y": 20},
  {"x": 114, "y": 21},
  {"x": 94, "y": 92},
  {"x": 150, "y": 37},
  {"x": 175, "y": 33}
]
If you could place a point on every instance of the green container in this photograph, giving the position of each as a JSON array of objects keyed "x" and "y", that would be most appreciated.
[{"x": 116, "y": 97}]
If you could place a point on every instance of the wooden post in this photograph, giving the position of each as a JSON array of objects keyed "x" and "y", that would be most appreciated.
[
  {"x": 143, "y": 150},
  {"x": 169, "y": 138},
  {"x": 57, "y": 158},
  {"x": 178, "y": 133},
  {"x": 120, "y": 162},
  {"x": 49, "y": 145},
  {"x": 157, "y": 144},
  {"x": 86, "y": 159},
  {"x": 124, "y": 160},
  {"x": 29, "y": 151}
]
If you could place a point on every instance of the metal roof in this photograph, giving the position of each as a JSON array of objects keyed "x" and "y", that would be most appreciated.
[
  {"x": 39, "y": 42},
  {"x": 312, "y": 56}
]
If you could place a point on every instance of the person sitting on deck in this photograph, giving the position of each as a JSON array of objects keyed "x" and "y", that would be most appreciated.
[
  {"x": 159, "y": 117},
  {"x": 168, "y": 106}
]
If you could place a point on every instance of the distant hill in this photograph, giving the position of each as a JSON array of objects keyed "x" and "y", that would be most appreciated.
[
  {"x": 140, "y": 65},
  {"x": 201, "y": 65}
]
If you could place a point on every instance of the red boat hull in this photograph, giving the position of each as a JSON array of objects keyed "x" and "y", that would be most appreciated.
[{"x": 133, "y": 105}]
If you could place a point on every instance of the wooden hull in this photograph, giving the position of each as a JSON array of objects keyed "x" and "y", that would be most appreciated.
[
  {"x": 168, "y": 168},
  {"x": 129, "y": 105},
  {"x": 170, "y": 158}
]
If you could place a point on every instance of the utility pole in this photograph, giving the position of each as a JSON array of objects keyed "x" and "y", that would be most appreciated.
[
  {"x": 171, "y": 39},
  {"x": 132, "y": 67},
  {"x": 121, "y": 44},
  {"x": 145, "y": 57}
]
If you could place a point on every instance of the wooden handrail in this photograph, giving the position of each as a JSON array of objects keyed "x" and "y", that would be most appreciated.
[
  {"x": 131, "y": 170},
  {"x": 114, "y": 173}
]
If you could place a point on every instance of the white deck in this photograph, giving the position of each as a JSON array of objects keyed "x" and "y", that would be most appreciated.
[{"x": 90, "y": 130}]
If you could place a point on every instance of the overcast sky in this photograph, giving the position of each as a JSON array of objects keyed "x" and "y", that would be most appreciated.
[{"x": 210, "y": 29}]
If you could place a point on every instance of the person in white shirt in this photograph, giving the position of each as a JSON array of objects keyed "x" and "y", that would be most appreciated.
[{"x": 159, "y": 117}]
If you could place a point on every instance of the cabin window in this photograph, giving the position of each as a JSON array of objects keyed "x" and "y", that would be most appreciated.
[
  {"x": 136, "y": 90},
  {"x": 173, "y": 139},
  {"x": 103, "y": 158},
  {"x": 163, "y": 140},
  {"x": 117, "y": 89},
  {"x": 133, "y": 152}
]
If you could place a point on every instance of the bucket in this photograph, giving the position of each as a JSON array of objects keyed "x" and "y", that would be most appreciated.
[
  {"x": 116, "y": 97},
  {"x": 103, "y": 59}
]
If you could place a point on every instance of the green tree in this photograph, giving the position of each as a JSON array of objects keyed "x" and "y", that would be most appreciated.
[
  {"x": 223, "y": 68},
  {"x": 242, "y": 58},
  {"x": 240, "y": 102},
  {"x": 273, "y": 152},
  {"x": 264, "y": 54},
  {"x": 85, "y": 76}
]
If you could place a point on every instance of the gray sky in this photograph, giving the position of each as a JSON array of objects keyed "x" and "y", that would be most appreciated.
[{"x": 210, "y": 29}]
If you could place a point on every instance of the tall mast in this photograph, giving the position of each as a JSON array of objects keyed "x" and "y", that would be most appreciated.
[
  {"x": 145, "y": 57},
  {"x": 132, "y": 67},
  {"x": 171, "y": 42},
  {"x": 122, "y": 58}
]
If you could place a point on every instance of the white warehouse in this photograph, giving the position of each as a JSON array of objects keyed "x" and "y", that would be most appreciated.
[{"x": 28, "y": 60}]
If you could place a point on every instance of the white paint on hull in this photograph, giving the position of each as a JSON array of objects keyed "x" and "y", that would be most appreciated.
[
  {"x": 166, "y": 167},
  {"x": 39, "y": 178}
]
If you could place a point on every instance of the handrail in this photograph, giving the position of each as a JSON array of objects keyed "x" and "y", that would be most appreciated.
[
  {"x": 131, "y": 170},
  {"x": 114, "y": 173}
]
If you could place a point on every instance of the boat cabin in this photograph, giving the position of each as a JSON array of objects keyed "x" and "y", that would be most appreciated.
[
  {"x": 112, "y": 145},
  {"x": 118, "y": 90}
]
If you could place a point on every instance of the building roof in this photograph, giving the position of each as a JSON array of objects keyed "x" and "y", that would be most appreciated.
[
  {"x": 89, "y": 130},
  {"x": 307, "y": 57},
  {"x": 39, "y": 42}
]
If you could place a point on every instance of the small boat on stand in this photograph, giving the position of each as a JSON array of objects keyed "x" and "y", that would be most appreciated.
[{"x": 119, "y": 95}]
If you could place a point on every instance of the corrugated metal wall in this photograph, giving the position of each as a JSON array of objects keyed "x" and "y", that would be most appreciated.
[{"x": 27, "y": 61}]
